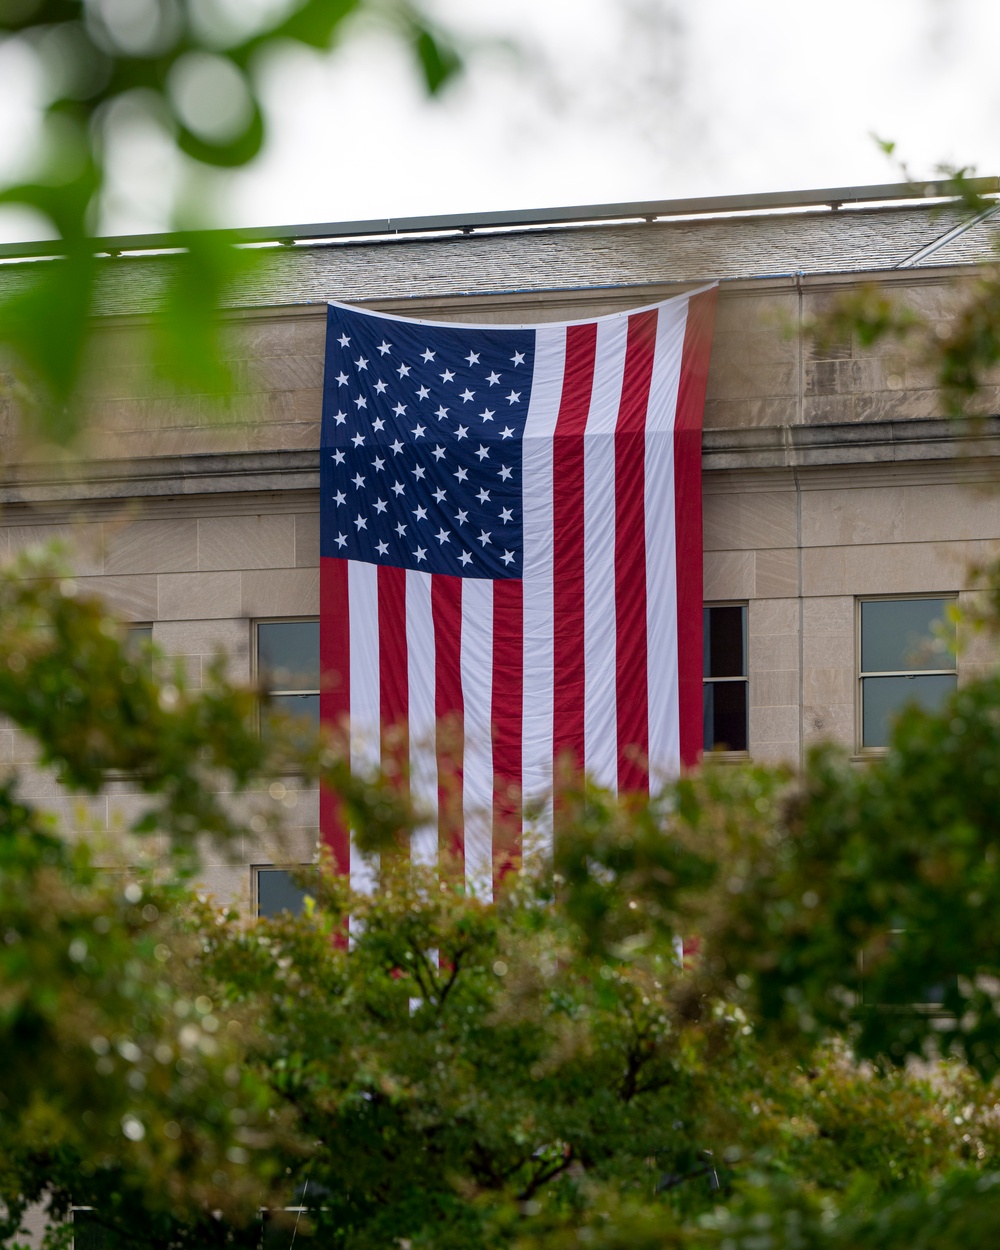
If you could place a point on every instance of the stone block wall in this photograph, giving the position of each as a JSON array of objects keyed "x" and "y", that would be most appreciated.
[{"x": 200, "y": 518}]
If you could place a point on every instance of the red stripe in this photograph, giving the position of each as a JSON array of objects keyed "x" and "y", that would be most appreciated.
[
  {"x": 449, "y": 711},
  {"x": 335, "y": 698},
  {"x": 394, "y": 685},
  {"x": 508, "y": 698},
  {"x": 687, "y": 502},
  {"x": 630, "y": 555},
  {"x": 569, "y": 655}
]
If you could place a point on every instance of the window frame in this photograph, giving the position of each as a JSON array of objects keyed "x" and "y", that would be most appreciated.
[
  {"x": 744, "y": 753},
  {"x": 255, "y": 670},
  {"x": 861, "y": 750},
  {"x": 256, "y": 870}
]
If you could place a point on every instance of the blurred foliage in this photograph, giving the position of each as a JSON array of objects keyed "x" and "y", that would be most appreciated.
[
  {"x": 959, "y": 352},
  {"x": 420, "y": 1067},
  {"x": 188, "y": 67}
]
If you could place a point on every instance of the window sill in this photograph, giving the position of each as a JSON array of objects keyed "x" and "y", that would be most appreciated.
[{"x": 725, "y": 757}]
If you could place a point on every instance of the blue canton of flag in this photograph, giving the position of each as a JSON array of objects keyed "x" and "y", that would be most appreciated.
[{"x": 422, "y": 444}]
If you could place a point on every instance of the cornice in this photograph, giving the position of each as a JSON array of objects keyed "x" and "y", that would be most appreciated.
[{"x": 758, "y": 459}]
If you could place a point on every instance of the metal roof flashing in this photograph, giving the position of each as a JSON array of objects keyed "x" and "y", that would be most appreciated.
[{"x": 829, "y": 199}]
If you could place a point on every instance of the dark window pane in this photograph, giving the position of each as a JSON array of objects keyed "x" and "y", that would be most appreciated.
[
  {"x": 277, "y": 892},
  {"x": 725, "y": 641},
  {"x": 89, "y": 1234},
  {"x": 883, "y": 697},
  {"x": 135, "y": 641},
  {"x": 898, "y": 634},
  {"x": 726, "y": 716},
  {"x": 288, "y": 654},
  {"x": 302, "y": 705}
]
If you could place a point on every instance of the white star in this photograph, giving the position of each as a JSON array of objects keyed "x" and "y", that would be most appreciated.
[
  {"x": 508, "y": 557},
  {"x": 487, "y": 414},
  {"x": 441, "y": 412},
  {"x": 361, "y": 523},
  {"x": 338, "y": 457},
  {"x": 341, "y": 540},
  {"x": 467, "y": 395},
  {"x": 344, "y": 341},
  {"x": 518, "y": 359},
  {"x": 473, "y": 358},
  {"x": 358, "y": 440},
  {"x": 482, "y": 453},
  {"x": 506, "y": 432},
  {"x": 378, "y": 463},
  {"x": 403, "y": 370},
  {"x": 396, "y": 447},
  {"x": 461, "y": 432},
  {"x": 514, "y": 397},
  {"x": 398, "y": 488},
  {"x": 465, "y": 558},
  {"x": 339, "y": 498},
  {"x": 483, "y": 495},
  {"x": 493, "y": 379},
  {"x": 461, "y": 516},
  {"x": 506, "y": 514},
  {"x": 381, "y": 387},
  {"x": 380, "y": 505},
  {"x": 418, "y": 431},
  {"x": 484, "y": 538},
  {"x": 504, "y": 472},
  {"x": 341, "y": 378},
  {"x": 438, "y": 452},
  {"x": 378, "y": 424},
  {"x": 383, "y": 549},
  {"x": 418, "y": 472},
  {"x": 461, "y": 473},
  {"x": 358, "y": 480},
  {"x": 399, "y": 409},
  {"x": 420, "y": 553},
  {"x": 340, "y": 417},
  {"x": 427, "y": 355},
  {"x": 361, "y": 362},
  {"x": 384, "y": 347},
  {"x": 401, "y": 529},
  {"x": 361, "y": 401},
  {"x": 423, "y": 392},
  {"x": 440, "y": 495},
  {"x": 447, "y": 376},
  {"x": 442, "y": 536}
]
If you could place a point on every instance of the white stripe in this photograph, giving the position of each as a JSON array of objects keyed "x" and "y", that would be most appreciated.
[
  {"x": 663, "y": 672},
  {"x": 539, "y": 648},
  {"x": 362, "y": 593},
  {"x": 477, "y": 766},
  {"x": 420, "y": 667},
  {"x": 600, "y": 621}
]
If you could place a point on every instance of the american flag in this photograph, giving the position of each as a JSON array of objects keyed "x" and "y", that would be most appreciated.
[{"x": 511, "y": 563}]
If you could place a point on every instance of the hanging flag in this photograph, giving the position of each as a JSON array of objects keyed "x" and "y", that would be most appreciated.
[{"x": 511, "y": 562}]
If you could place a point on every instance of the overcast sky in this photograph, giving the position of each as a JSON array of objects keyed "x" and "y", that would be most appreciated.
[
  {"x": 604, "y": 100},
  {"x": 616, "y": 100}
]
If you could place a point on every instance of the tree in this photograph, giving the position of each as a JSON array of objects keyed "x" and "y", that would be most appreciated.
[
  {"x": 538, "y": 1071},
  {"x": 187, "y": 66}
]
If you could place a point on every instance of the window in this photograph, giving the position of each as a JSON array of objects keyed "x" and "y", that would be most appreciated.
[
  {"x": 288, "y": 666},
  {"x": 905, "y": 655},
  {"x": 277, "y": 891},
  {"x": 726, "y": 684},
  {"x": 136, "y": 641}
]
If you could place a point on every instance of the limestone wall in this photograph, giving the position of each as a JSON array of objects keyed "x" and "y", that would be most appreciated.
[{"x": 826, "y": 478}]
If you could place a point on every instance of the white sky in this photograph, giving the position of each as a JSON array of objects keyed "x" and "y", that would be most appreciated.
[
  {"x": 633, "y": 99},
  {"x": 608, "y": 100}
]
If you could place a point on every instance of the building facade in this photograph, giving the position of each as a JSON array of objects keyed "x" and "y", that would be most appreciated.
[{"x": 842, "y": 509}]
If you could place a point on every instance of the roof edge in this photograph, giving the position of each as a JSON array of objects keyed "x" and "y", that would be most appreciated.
[{"x": 467, "y": 223}]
